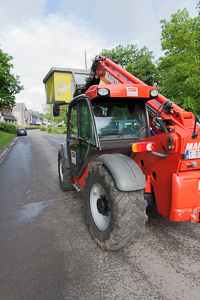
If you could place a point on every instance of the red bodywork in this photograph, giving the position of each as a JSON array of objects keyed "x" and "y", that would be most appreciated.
[{"x": 174, "y": 180}]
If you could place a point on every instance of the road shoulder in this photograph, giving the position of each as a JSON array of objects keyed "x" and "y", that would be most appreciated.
[{"x": 5, "y": 150}]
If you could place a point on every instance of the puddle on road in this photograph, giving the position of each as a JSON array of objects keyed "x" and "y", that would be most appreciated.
[{"x": 30, "y": 211}]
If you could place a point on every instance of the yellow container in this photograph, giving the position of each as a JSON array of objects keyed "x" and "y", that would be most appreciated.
[{"x": 60, "y": 84}]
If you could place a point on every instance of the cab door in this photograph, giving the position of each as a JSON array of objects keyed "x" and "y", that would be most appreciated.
[{"x": 81, "y": 134}]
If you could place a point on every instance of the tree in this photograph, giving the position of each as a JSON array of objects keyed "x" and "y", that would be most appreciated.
[
  {"x": 49, "y": 113},
  {"x": 9, "y": 84},
  {"x": 180, "y": 66},
  {"x": 140, "y": 63},
  {"x": 62, "y": 117}
]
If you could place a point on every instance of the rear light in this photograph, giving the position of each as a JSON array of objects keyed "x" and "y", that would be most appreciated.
[{"x": 143, "y": 147}]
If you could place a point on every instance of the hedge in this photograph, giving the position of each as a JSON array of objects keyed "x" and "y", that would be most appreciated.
[
  {"x": 35, "y": 127},
  {"x": 10, "y": 128}
]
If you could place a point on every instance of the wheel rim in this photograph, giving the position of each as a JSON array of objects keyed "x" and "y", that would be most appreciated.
[
  {"x": 61, "y": 170},
  {"x": 102, "y": 221}
]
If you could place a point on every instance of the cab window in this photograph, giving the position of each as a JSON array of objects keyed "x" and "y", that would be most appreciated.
[
  {"x": 86, "y": 128},
  {"x": 119, "y": 119},
  {"x": 74, "y": 123}
]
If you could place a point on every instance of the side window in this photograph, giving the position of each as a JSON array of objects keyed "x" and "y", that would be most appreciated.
[
  {"x": 74, "y": 123},
  {"x": 86, "y": 126}
]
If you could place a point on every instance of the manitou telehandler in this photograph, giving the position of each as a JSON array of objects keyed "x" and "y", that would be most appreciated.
[{"x": 126, "y": 147}]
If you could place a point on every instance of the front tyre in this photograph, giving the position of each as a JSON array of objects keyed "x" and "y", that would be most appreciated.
[
  {"x": 65, "y": 176},
  {"x": 115, "y": 218}
]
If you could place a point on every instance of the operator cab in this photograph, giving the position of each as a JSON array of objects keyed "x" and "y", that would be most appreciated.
[
  {"x": 119, "y": 118},
  {"x": 103, "y": 125}
]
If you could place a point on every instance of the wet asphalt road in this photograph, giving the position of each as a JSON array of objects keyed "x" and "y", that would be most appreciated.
[{"x": 46, "y": 251}]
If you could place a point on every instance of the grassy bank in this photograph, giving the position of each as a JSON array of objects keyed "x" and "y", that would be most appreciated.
[
  {"x": 56, "y": 130},
  {"x": 60, "y": 130},
  {"x": 5, "y": 138}
]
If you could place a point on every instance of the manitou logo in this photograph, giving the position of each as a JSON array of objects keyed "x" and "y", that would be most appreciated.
[
  {"x": 110, "y": 78},
  {"x": 193, "y": 146}
]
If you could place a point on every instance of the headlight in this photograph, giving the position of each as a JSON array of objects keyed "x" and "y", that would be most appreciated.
[
  {"x": 103, "y": 92},
  {"x": 154, "y": 93}
]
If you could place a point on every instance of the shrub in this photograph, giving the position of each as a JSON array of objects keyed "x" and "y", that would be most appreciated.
[
  {"x": 49, "y": 130},
  {"x": 42, "y": 128},
  {"x": 10, "y": 128},
  {"x": 60, "y": 125},
  {"x": 33, "y": 127}
]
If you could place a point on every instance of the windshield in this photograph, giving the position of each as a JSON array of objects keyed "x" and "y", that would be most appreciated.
[{"x": 119, "y": 118}]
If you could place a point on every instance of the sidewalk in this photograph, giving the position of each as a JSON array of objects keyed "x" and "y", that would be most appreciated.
[{"x": 5, "y": 150}]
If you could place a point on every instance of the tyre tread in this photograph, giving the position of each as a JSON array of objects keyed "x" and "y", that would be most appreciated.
[
  {"x": 68, "y": 180},
  {"x": 128, "y": 212}
]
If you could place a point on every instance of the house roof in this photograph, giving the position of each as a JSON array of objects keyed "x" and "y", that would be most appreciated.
[{"x": 19, "y": 106}]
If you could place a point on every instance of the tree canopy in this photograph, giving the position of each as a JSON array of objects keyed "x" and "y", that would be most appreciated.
[
  {"x": 9, "y": 84},
  {"x": 179, "y": 68},
  {"x": 177, "y": 72},
  {"x": 140, "y": 63},
  {"x": 49, "y": 113}
]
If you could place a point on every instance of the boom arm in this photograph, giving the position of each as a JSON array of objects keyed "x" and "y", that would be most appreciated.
[{"x": 109, "y": 72}]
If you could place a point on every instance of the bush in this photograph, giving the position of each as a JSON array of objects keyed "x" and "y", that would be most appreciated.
[
  {"x": 42, "y": 128},
  {"x": 33, "y": 127},
  {"x": 49, "y": 130},
  {"x": 65, "y": 131},
  {"x": 60, "y": 125},
  {"x": 10, "y": 128}
]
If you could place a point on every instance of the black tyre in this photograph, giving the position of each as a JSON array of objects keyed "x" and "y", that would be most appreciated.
[
  {"x": 65, "y": 175},
  {"x": 115, "y": 219}
]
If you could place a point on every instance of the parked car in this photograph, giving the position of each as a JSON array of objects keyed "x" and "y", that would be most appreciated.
[{"x": 21, "y": 131}]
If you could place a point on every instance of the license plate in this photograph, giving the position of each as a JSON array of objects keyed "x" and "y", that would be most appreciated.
[{"x": 191, "y": 154}]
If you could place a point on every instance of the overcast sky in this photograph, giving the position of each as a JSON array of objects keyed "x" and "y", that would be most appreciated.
[{"x": 42, "y": 34}]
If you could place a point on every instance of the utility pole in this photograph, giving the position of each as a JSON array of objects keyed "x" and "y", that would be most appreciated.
[{"x": 85, "y": 60}]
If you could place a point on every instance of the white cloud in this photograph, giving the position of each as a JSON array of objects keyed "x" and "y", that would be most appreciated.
[
  {"x": 133, "y": 21},
  {"x": 52, "y": 42},
  {"x": 13, "y": 12}
]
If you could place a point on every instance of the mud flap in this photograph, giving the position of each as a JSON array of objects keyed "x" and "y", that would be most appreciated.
[{"x": 126, "y": 173}]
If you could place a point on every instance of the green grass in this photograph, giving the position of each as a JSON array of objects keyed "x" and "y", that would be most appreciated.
[
  {"x": 59, "y": 129},
  {"x": 5, "y": 138}
]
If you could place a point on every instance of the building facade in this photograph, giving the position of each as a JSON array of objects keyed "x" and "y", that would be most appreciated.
[
  {"x": 6, "y": 115},
  {"x": 27, "y": 118},
  {"x": 21, "y": 115}
]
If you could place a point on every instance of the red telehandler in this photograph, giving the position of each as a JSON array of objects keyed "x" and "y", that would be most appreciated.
[{"x": 127, "y": 146}]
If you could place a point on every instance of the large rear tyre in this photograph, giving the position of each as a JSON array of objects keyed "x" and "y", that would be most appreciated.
[
  {"x": 115, "y": 218},
  {"x": 65, "y": 176}
]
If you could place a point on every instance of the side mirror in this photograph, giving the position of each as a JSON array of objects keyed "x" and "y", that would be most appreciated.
[{"x": 56, "y": 110}]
